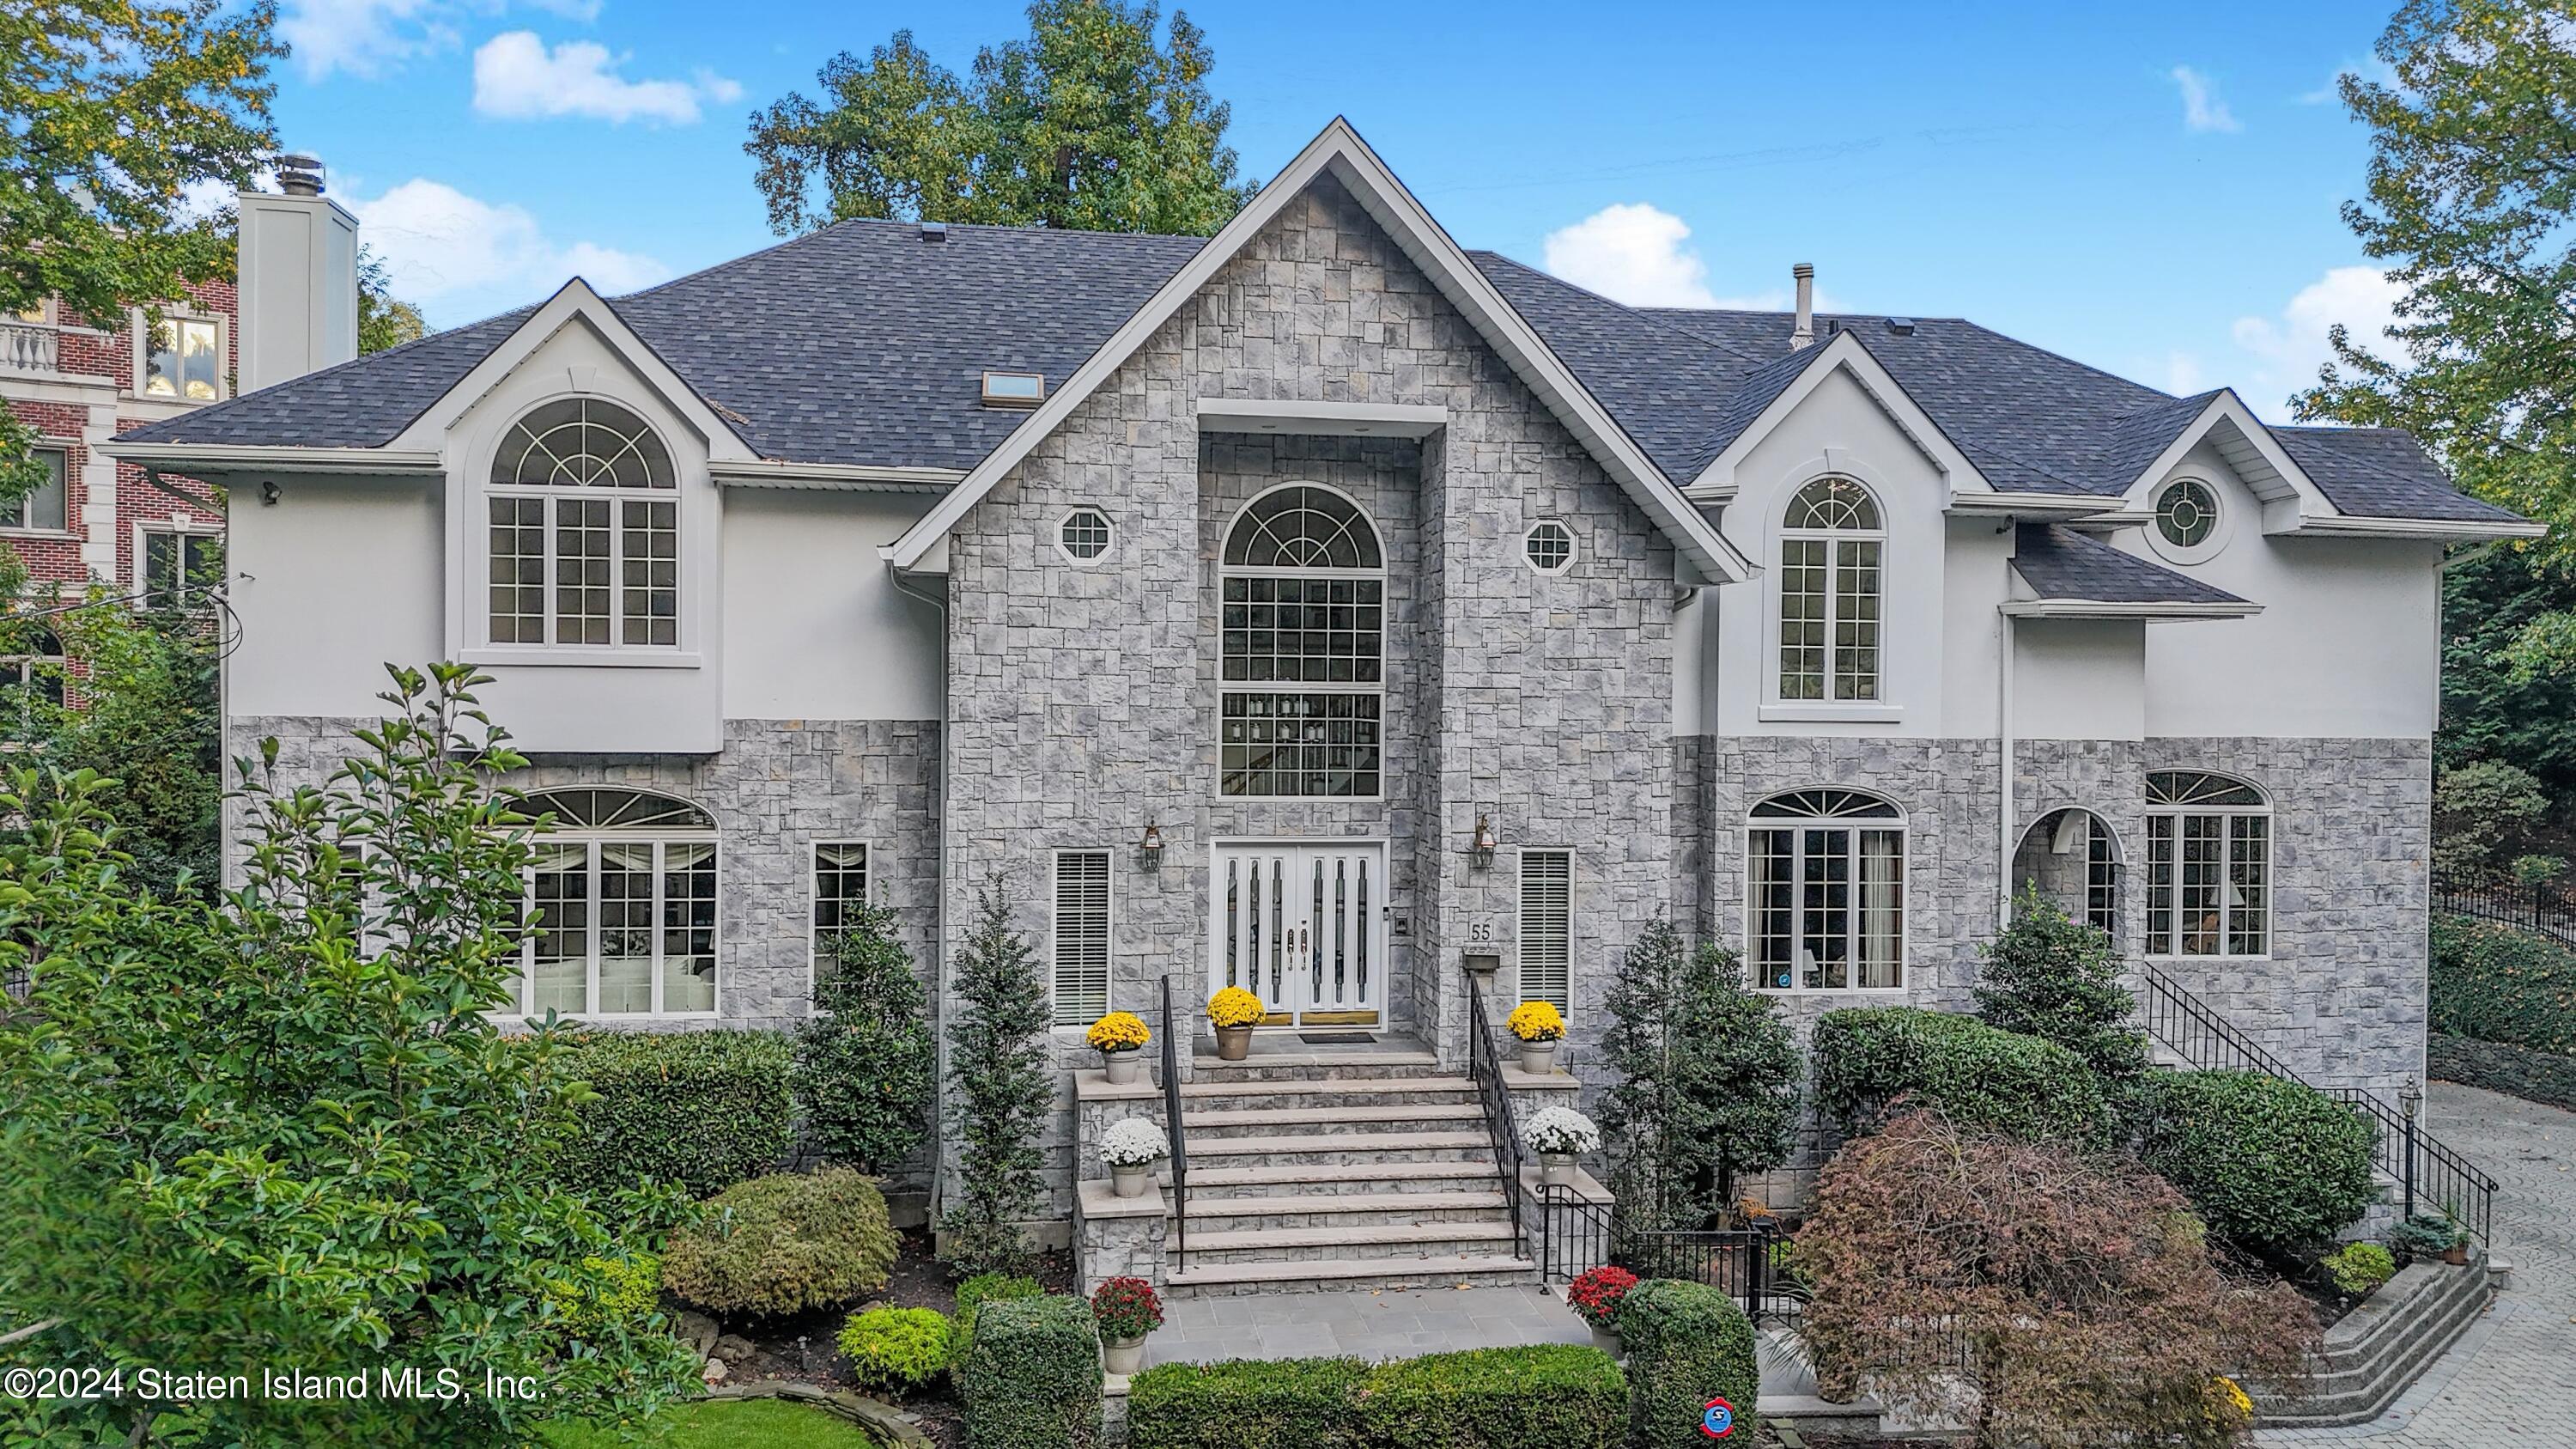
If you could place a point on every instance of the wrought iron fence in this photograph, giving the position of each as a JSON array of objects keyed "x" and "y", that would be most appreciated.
[
  {"x": 1485, "y": 1070},
  {"x": 2542, "y": 911},
  {"x": 1178, "y": 1141}
]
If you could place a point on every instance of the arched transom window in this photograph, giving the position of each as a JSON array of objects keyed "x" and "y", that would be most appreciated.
[
  {"x": 584, "y": 524},
  {"x": 2209, "y": 866},
  {"x": 1302, "y": 658},
  {"x": 622, "y": 906},
  {"x": 1825, "y": 891},
  {"x": 1830, "y": 546}
]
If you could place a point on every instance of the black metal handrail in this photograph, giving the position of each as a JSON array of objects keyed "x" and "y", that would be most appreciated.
[
  {"x": 1485, "y": 1070},
  {"x": 2399, "y": 1146},
  {"x": 2530, "y": 908},
  {"x": 1172, "y": 1129}
]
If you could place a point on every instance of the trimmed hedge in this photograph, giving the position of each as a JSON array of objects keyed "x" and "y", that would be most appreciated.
[
  {"x": 2495, "y": 983},
  {"x": 1549, "y": 1396},
  {"x": 784, "y": 1244},
  {"x": 704, "y": 1109},
  {"x": 1687, "y": 1343},
  {"x": 2534, "y": 1076},
  {"x": 1031, "y": 1379},
  {"x": 1977, "y": 1075},
  {"x": 2271, "y": 1165}
]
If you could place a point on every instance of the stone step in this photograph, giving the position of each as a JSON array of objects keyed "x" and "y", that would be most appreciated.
[
  {"x": 1314, "y": 1210},
  {"x": 1358, "y": 1182},
  {"x": 1353, "y": 1241},
  {"x": 1267, "y": 1094},
  {"x": 2390, "y": 1315},
  {"x": 1318, "y": 1066},
  {"x": 1343, "y": 1275},
  {"x": 1392, "y": 1151},
  {"x": 1335, "y": 1120},
  {"x": 2356, "y": 1384}
]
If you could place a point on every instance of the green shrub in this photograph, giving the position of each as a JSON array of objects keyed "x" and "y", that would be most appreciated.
[
  {"x": 2057, "y": 978},
  {"x": 1032, "y": 1378},
  {"x": 1298, "y": 1403},
  {"x": 2481, "y": 810},
  {"x": 704, "y": 1109},
  {"x": 2497, "y": 984},
  {"x": 1551, "y": 1396},
  {"x": 866, "y": 1066},
  {"x": 784, "y": 1244},
  {"x": 1978, "y": 1076},
  {"x": 986, "y": 1288},
  {"x": 2520, "y": 1071},
  {"x": 607, "y": 1294},
  {"x": 2270, "y": 1165},
  {"x": 2425, "y": 1235},
  {"x": 2538, "y": 870},
  {"x": 2357, "y": 1268},
  {"x": 1687, "y": 1343},
  {"x": 896, "y": 1348}
]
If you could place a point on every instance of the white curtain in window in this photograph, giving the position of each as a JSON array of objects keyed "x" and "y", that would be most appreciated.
[{"x": 1882, "y": 907}]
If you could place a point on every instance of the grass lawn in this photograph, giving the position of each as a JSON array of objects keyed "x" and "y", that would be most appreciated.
[{"x": 725, "y": 1424}]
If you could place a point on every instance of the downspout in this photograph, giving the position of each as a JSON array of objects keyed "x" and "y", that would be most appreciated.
[
  {"x": 2004, "y": 841},
  {"x": 939, "y": 911}
]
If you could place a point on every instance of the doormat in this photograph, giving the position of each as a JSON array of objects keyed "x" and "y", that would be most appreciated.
[{"x": 1336, "y": 1038}]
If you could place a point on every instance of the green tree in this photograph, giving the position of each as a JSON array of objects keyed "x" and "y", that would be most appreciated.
[
  {"x": 384, "y": 320},
  {"x": 2490, "y": 709},
  {"x": 1089, "y": 123},
  {"x": 1707, "y": 1080},
  {"x": 110, "y": 110},
  {"x": 866, "y": 1067},
  {"x": 2483, "y": 812},
  {"x": 289, "y": 1130},
  {"x": 1001, "y": 1084},
  {"x": 2056, "y": 978}
]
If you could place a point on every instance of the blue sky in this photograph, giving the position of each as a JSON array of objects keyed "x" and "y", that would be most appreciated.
[{"x": 2150, "y": 189}]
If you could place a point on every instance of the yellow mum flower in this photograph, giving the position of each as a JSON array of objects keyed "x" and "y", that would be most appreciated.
[
  {"x": 1119, "y": 1031},
  {"x": 1536, "y": 1021},
  {"x": 2233, "y": 1396},
  {"x": 1235, "y": 1006}
]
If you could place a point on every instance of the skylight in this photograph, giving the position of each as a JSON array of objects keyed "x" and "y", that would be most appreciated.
[{"x": 1014, "y": 389}]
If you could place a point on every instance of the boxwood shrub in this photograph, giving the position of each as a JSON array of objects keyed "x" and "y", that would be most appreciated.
[
  {"x": 704, "y": 1109},
  {"x": 1687, "y": 1343},
  {"x": 2271, "y": 1165},
  {"x": 1548, "y": 1396},
  {"x": 2520, "y": 1071},
  {"x": 1977, "y": 1075},
  {"x": 2495, "y": 983},
  {"x": 1296, "y": 1403},
  {"x": 784, "y": 1244},
  {"x": 1031, "y": 1379}
]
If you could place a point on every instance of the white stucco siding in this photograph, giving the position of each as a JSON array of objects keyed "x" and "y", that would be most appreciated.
[
  {"x": 818, "y": 629},
  {"x": 2080, "y": 679},
  {"x": 338, "y": 578}
]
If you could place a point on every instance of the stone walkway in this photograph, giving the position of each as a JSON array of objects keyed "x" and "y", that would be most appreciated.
[
  {"x": 2511, "y": 1380},
  {"x": 1378, "y": 1325}
]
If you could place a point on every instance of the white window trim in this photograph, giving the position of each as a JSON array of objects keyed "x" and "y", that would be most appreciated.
[
  {"x": 175, "y": 523},
  {"x": 139, "y": 326},
  {"x": 1778, "y": 706},
  {"x": 1381, "y": 689},
  {"x": 1107, "y": 550},
  {"x": 2226, "y": 857},
  {"x": 1109, "y": 927},
  {"x": 2222, "y": 524},
  {"x": 1520, "y": 925},
  {"x": 1573, "y": 548},
  {"x": 814, "y": 898},
  {"x": 63, "y": 448},
  {"x": 471, "y": 534},
  {"x": 590, "y": 969},
  {"x": 1902, "y": 824}
]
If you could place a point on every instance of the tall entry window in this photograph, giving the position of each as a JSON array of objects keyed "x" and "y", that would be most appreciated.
[
  {"x": 622, "y": 902},
  {"x": 2209, "y": 866},
  {"x": 584, "y": 531},
  {"x": 1304, "y": 590},
  {"x": 1825, "y": 892},
  {"x": 1831, "y": 543}
]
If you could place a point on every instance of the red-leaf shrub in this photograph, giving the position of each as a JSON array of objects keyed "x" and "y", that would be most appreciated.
[
  {"x": 1126, "y": 1308},
  {"x": 1595, "y": 1295},
  {"x": 2080, "y": 1287}
]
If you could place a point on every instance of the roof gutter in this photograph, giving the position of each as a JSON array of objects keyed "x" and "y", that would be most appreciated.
[
  {"x": 2054, "y": 506},
  {"x": 201, "y": 458},
  {"x": 832, "y": 477},
  {"x": 2124, "y": 609},
  {"x": 2440, "y": 530}
]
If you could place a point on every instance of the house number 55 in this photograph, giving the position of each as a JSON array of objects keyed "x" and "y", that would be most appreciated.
[{"x": 1481, "y": 933}]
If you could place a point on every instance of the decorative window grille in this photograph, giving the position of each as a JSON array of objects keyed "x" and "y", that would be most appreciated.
[
  {"x": 2209, "y": 866},
  {"x": 1825, "y": 892},
  {"x": 1831, "y": 545},
  {"x": 1303, "y": 651},
  {"x": 1081, "y": 936},
  {"x": 1547, "y": 928},
  {"x": 2186, "y": 513},
  {"x": 584, "y": 531},
  {"x": 840, "y": 889},
  {"x": 622, "y": 906},
  {"x": 1549, "y": 547},
  {"x": 1084, "y": 535}
]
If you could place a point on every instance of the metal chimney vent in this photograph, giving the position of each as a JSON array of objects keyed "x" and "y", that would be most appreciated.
[
  {"x": 934, "y": 231},
  {"x": 299, "y": 175},
  {"x": 1901, "y": 326}
]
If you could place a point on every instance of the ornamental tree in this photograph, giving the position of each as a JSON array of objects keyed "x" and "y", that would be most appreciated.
[
  {"x": 2090, "y": 1306},
  {"x": 2057, "y": 978},
  {"x": 1000, "y": 1092},
  {"x": 866, "y": 1065}
]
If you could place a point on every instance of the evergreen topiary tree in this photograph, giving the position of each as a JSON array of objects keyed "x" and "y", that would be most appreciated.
[
  {"x": 998, "y": 1071},
  {"x": 1639, "y": 1112},
  {"x": 866, "y": 1066},
  {"x": 2058, "y": 979}
]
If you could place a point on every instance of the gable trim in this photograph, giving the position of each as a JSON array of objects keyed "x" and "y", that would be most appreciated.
[
  {"x": 1845, "y": 353},
  {"x": 1339, "y": 149},
  {"x": 2257, "y": 458}
]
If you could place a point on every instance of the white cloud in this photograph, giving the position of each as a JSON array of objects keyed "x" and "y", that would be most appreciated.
[
  {"x": 2369, "y": 68},
  {"x": 1632, "y": 253},
  {"x": 362, "y": 37},
  {"x": 453, "y": 253},
  {"x": 517, "y": 78},
  {"x": 2202, "y": 110},
  {"x": 2286, "y": 350}
]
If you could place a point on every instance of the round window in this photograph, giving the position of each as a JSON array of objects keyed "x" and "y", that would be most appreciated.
[
  {"x": 1084, "y": 534},
  {"x": 1549, "y": 547},
  {"x": 2187, "y": 514}
]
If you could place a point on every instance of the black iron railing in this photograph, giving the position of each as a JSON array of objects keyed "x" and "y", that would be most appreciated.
[
  {"x": 1180, "y": 1147},
  {"x": 1485, "y": 1070},
  {"x": 2542, "y": 911},
  {"x": 2422, "y": 1167}
]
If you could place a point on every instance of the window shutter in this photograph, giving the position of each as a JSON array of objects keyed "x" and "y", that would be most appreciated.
[
  {"x": 1081, "y": 936},
  {"x": 1547, "y": 927}
]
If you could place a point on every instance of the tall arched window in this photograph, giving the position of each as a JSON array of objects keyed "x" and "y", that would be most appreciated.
[
  {"x": 584, "y": 520},
  {"x": 1302, "y": 658},
  {"x": 622, "y": 904},
  {"x": 1830, "y": 545},
  {"x": 1825, "y": 892},
  {"x": 2209, "y": 866}
]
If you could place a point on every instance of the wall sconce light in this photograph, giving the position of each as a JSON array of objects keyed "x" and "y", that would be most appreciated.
[
  {"x": 1482, "y": 847},
  {"x": 268, "y": 493},
  {"x": 1150, "y": 849}
]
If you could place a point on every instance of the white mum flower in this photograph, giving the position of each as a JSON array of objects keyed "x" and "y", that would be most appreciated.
[
  {"x": 1561, "y": 1129},
  {"x": 1133, "y": 1142}
]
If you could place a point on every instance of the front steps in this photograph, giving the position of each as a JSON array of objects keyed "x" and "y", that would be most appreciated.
[{"x": 2383, "y": 1346}]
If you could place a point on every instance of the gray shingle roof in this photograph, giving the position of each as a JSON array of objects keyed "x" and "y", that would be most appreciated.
[
  {"x": 864, "y": 344},
  {"x": 2060, "y": 563}
]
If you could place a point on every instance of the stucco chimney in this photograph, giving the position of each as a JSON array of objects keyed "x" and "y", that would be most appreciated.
[
  {"x": 297, "y": 279},
  {"x": 1804, "y": 334}
]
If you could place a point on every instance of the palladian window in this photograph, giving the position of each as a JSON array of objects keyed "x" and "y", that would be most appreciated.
[
  {"x": 584, "y": 520},
  {"x": 2209, "y": 866},
  {"x": 1830, "y": 546},
  {"x": 622, "y": 906},
  {"x": 1304, "y": 585},
  {"x": 1825, "y": 892}
]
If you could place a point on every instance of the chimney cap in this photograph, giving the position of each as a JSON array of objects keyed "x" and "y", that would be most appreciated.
[
  {"x": 1803, "y": 269},
  {"x": 299, "y": 174}
]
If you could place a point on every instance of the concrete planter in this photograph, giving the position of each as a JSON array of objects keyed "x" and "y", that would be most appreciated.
[
  {"x": 1123, "y": 1067},
  {"x": 1233, "y": 1043},
  {"x": 1556, "y": 1169},
  {"x": 1538, "y": 1058},
  {"x": 1131, "y": 1181},
  {"x": 1122, "y": 1356},
  {"x": 1606, "y": 1340}
]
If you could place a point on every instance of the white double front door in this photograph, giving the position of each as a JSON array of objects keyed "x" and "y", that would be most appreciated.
[{"x": 1302, "y": 925}]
